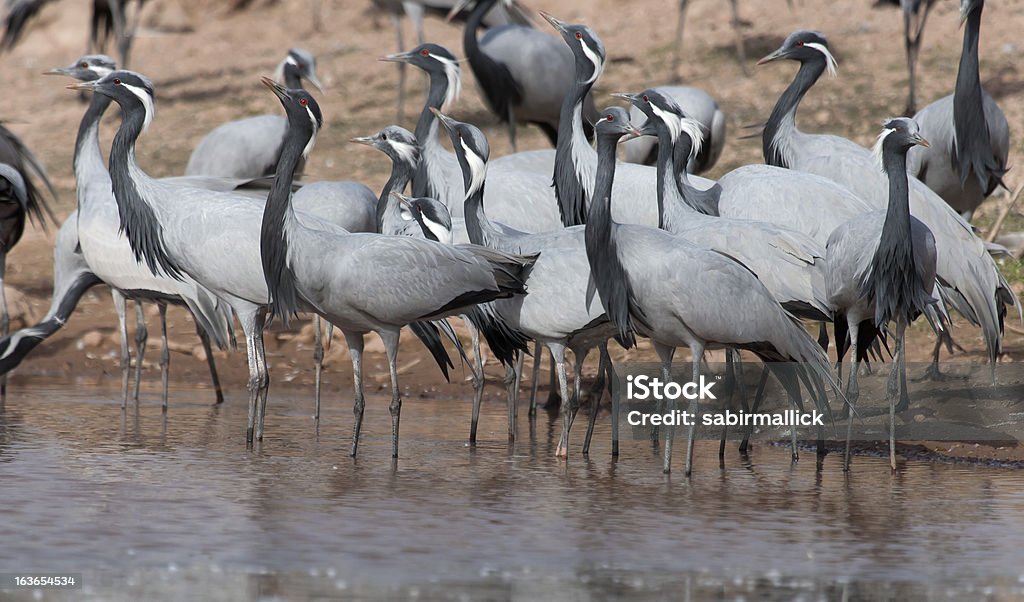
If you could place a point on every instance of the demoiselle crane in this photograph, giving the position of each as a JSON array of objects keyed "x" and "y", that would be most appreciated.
[
  {"x": 646, "y": 280},
  {"x": 182, "y": 232},
  {"x": 108, "y": 255},
  {"x": 521, "y": 199},
  {"x": 523, "y": 73},
  {"x": 396, "y": 218},
  {"x": 251, "y": 147},
  {"x": 969, "y": 279},
  {"x": 363, "y": 282},
  {"x": 968, "y": 131},
  {"x": 558, "y": 312},
  {"x": 697, "y": 105},
  {"x": 881, "y": 268}
]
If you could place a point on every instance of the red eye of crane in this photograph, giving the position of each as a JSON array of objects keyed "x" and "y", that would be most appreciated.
[
  {"x": 799, "y": 43},
  {"x": 117, "y": 82},
  {"x": 425, "y": 52},
  {"x": 647, "y": 98},
  {"x": 579, "y": 36},
  {"x": 609, "y": 118},
  {"x": 84, "y": 65},
  {"x": 301, "y": 66},
  {"x": 302, "y": 101}
]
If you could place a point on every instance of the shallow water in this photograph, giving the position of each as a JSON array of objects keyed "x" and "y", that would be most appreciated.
[{"x": 148, "y": 506}]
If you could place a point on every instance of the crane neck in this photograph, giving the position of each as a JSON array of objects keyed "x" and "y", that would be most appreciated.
[
  {"x": 292, "y": 77},
  {"x": 470, "y": 43},
  {"x": 607, "y": 272},
  {"x": 88, "y": 156},
  {"x": 479, "y": 227},
  {"x": 776, "y": 140},
  {"x": 897, "y": 215},
  {"x": 138, "y": 214},
  {"x": 426, "y": 133},
  {"x": 575, "y": 160},
  {"x": 972, "y": 140},
  {"x": 279, "y": 224},
  {"x": 674, "y": 207},
  {"x": 388, "y": 211}
]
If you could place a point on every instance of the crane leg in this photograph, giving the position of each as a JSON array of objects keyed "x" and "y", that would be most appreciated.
[
  {"x": 610, "y": 376},
  {"x": 165, "y": 356},
  {"x": 852, "y": 389},
  {"x": 537, "y": 350},
  {"x": 262, "y": 372},
  {"x": 596, "y": 393},
  {"x": 554, "y": 395},
  {"x": 558, "y": 356},
  {"x": 737, "y": 26},
  {"x": 141, "y": 335},
  {"x": 666, "y": 353},
  {"x": 122, "y": 329},
  {"x": 477, "y": 370},
  {"x": 211, "y": 362},
  {"x": 731, "y": 359},
  {"x": 677, "y": 53},
  {"x": 892, "y": 390},
  {"x": 513, "y": 396},
  {"x": 318, "y": 364},
  {"x": 355, "y": 348},
  {"x": 249, "y": 326},
  {"x": 758, "y": 396},
  {"x": 390, "y": 339}
]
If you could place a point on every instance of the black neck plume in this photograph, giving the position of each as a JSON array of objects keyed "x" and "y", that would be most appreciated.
[
  {"x": 421, "y": 184},
  {"x": 571, "y": 193},
  {"x": 139, "y": 222},
  {"x": 281, "y": 283}
]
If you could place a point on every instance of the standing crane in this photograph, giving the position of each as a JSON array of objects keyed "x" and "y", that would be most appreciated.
[{"x": 969, "y": 132}]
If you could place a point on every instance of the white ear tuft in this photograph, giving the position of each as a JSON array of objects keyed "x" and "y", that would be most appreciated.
[
  {"x": 147, "y": 103},
  {"x": 876, "y": 150},
  {"x": 830, "y": 61}
]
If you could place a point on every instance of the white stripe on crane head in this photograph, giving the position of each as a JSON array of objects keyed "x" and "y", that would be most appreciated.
[
  {"x": 453, "y": 74},
  {"x": 406, "y": 152},
  {"x": 477, "y": 170},
  {"x": 876, "y": 150},
  {"x": 147, "y": 102},
  {"x": 593, "y": 58},
  {"x": 830, "y": 61},
  {"x": 312, "y": 137}
]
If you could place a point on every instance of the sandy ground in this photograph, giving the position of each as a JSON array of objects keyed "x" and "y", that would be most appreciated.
[{"x": 209, "y": 74}]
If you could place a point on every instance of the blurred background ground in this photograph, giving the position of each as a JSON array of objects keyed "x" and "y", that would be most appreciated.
[{"x": 205, "y": 62}]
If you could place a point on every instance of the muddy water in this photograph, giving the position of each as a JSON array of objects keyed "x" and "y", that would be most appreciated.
[{"x": 150, "y": 506}]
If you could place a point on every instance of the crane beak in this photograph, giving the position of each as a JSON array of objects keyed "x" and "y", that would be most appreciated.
[
  {"x": 560, "y": 26},
  {"x": 83, "y": 85},
  {"x": 632, "y": 98},
  {"x": 632, "y": 132},
  {"x": 398, "y": 57},
  {"x": 920, "y": 141},
  {"x": 456, "y": 9},
  {"x": 280, "y": 91},
  {"x": 446, "y": 121},
  {"x": 315, "y": 82},
  {"x": 401, "y": 198},
  {"x": 778, "y": 54},
  {"x": 367, "y": 140},
  {"x": 58, "y": 71}
]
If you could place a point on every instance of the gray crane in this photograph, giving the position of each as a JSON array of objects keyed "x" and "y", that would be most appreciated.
[
  {"x": 558, "y": 312},
  {"x": 108, "y": 254},
  {"x": 969, "y": 132},
  {"x": 788, "y": 263},
  {"x": 645, "y": 278},
  {"x": 109, "y": 20},
  {"x": 915, "y": 16},
  {"x": 523, "y": 73},
  {"x": 522, "y": 200},
  {"x": 969, "y": 279},
  {"x": 575, "y": 165},
  {"x": 677, "y": 49},
  {"x": 417, "y": 9},
  {"x": 881, "y": 269},
  {"x": 697, "y": 105},
  {"x": 250, "y": 147},
  {"x": 364, "y": 282},
  {"x": 429, "y": 218}
]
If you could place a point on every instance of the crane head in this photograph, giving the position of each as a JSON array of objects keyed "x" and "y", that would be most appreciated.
[
  {"x": 396, "y": 142},
  {"x": 586, "y": 47},
  {"x": 297, "y": 65},
  {"x": 86, "y": 68},
  {"x": 304, "y": 116},
  {"x": 804, "y": 46},
  {"x": 471, "y": 149},
  {"x": 132, "y": 91},
  {"x": 614, "y": 122}
]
